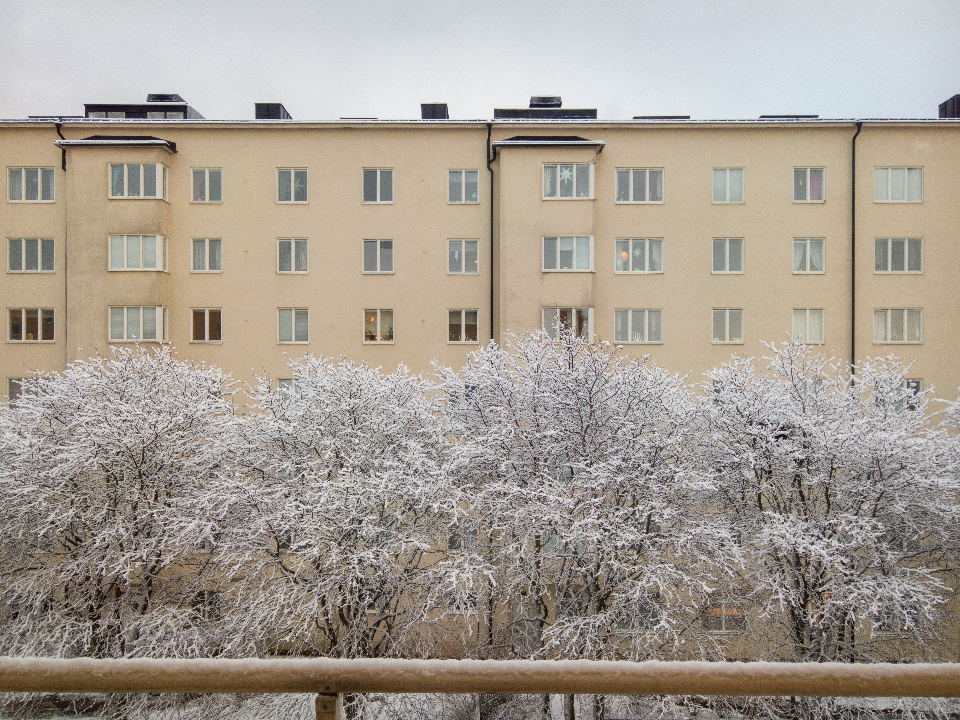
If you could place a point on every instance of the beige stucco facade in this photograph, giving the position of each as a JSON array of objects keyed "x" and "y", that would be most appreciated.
[{"x": 420, "y": 221}]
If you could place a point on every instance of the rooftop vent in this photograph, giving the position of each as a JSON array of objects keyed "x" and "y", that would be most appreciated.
[
  {"x": 164, "y": 97},
  {"x": 434, "y": 111},
  {"x": 545, "y": 101},
  {"x": 950, "y": 108},
  {"x": 271, "y": 111}
]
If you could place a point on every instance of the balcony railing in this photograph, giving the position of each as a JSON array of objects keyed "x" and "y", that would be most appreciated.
[{"x": 330, "y": 677}]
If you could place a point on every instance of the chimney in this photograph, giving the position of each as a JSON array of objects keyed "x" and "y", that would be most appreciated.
[
  {"x": 950, "y": 108},
  {"x": 271, "y": 111},
  {"x": 434, "y": 111}
]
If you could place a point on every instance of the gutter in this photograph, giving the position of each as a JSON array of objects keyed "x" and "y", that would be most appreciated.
[{"x": 853, "y": 248}]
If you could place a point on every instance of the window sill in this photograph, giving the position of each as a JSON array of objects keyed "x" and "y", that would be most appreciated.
[
  {"x": 898, "y": 202},
  {"x": 293, "y": 202},
  {"x": 31, "y": 342},
  {"x": 898, "y": 272},
  {"x": 32, "y": 202},
  {"x": 726, "y": 342},
  {"x": 566, "y": 199},
  {"x": 293, "y": 342},
  {"x": 726, "y": 272},
  {"x": 638, "y": 202},
  {"x": 378, "y": 272},
  {"x": 31, "y": 272},
  {"x": 377, "y": 202},
  {"x": 463, "y": 342},
  {"x": 898, "y": 342},
  {"x": 206, "y": 342},
  {"x": 137, "y": 197},
  {"x": 138, "y": 270},
  {"x": 379, "y": 342},
  {"x": 729, "y": 202},
  {"x": 206, "y": 272},
  {"x": 809, "y": 202},
  {"x": 638, "y": 272},
  {"x": 809, "y": 272},
  {"x": 639, "y": 342},
  {"x": 293, "y": 272},
  {"x": 473, "y": 274},
  {"x": 141, "y": 341},
  {"x": 206, "y": 202},
  {"x": 472, "y": 202},
  {"x": 568, "y": 271}
]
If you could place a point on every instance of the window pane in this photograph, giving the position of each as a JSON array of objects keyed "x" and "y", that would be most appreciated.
[
  {"x": 551, "y": 322},
  {"x": 116, "y": 323},
  {"x": 736, "y": 325},
  {"x": 815, "y": 326},
  {"x": 284, "y": 257},
  {"x": 133, "y": 252},
  {"x": 655, "y": 324},
  {"x": 623, "y": 256},
  {"x": 639, "y": 185},
  {"x": 736, "y": 256},
  {"x": 199, "y": 325},
  {"x": 550, "y": 253},
  {"x": 472, "y": 259},
  {"x": 583, "y": 322},
  {"x": 620, "y": 329},
  {"x": 117, "y": 252},
  {"x": 47, "y": 184},
  {"x": 879, "y": 325},
  {"x": 583, "y": 181},
  {"x": 150, "y": 323},
  {"x": 15, "y": 256},
  {"x": 133, "y": 181},
  {"x": 284, "y": 186},
  {"x": 656, "y": 185},
  {"x": 896, "y": 325},
  {"x": 301, "y": 329},
  {"x": 898, "y": 257},
  {"x": 453, "y": 322},
  {"x": 719, "y": 185},
  {"x": 300, "y": 185},
  {"x": 566, "y": 181},
  {"x": 199, "y": 254},
  {"x": 638, "y": 325},
  {"x": 623, "y": 185},
  {"x": 914, "y": 255},
  {"x": 800, "y": 256},
  {"x": 150, "y": 180},
  {"x": 46, "y": 255},
  {"x": 719, "y": 255},
  {"x": 736, "y": 185},
  {"x": 471, "y": 190},
  {"x": 216, "y": 261},
  {"x": 816, "y": 256},
  {"x": 369, "y": 255},
  {"x": 583, "y": 253},
  {"x": 800, "y": 325},
  {"x": 33, "y": 183},
  {"x": 31, "y": 254},
  {"x": 656, "y": 255},
  {"x": 16, "y": 324},
  {"x": 386, "y": 326},
  {"x": 386, "y": 186},
  {"x": 880, "y": 260},
  {"x": 370, "y": 325},
  {"x": 199, "y": 185},
  {"x": 719, "y": 325},
  {"x": 133, "y": 323},
  {"x": 638, "y": 258},
  {"x": 566, "y": 253},
  {"x": 470, "y": 326},
  {"x": 386, "y": 256},
  {"x": 880, "y": 182},
  {"x": 16, "y": 184},
  {"x": 914, "y": 184},
  {"x": 300, "y": 256},
  {"x": 116, "y": 180},
  {"x": 213, "y": 325},
  {"x": 369, "y": 185},
  {"x": 285, "y": 325},
  {"x": 550, "y": 181},
  {"x": 150, "y": 252},
  {"x": 31, "y": 324},
  {"x": 914, "y": 325},
  {"x": 455, "y": 186},
  {"x": 216, "y": 185},
  {"x": 455, "y": 256},
  {"x": 898, "y": 184},
  {"x": 816, "y": 184},
  {"x": 800, "y": 184},
  {"x": 46, "y": 328}
]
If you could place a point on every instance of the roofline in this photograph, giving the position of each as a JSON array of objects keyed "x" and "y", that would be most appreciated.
[{"x": 119, "y": 142}]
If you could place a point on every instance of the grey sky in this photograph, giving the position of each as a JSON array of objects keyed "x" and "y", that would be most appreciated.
[{"x": 381, "y": 58}]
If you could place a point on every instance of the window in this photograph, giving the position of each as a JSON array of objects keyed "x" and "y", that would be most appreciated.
[
  {"x": 29, "y": 184},
  {"x": 30, "y": 255},
  {"x": 912, "y": 388},
  {"x": 567, "y": 253},
  {"x": 808, "y": 185},
  {"x": 30, "y": 325},
  {"x": 897, "y": 325},
  {"x": 463, "y": 257},
  {"x": 138, "y": 181},
  {"x": 463, "y": 186},
  {"x": 377, "y": 326},
  {"x": 639, "y": 185},
  {"x": 727, "y": 255},
  {"x": 378, "y": 256},
  {"x": 638, "y": 326},
  {"x": 207, "y": 187},
  {"x": 293, "y": 325},
  {"x": 378, "y": 185},
  {"x": 138, "y": 252},
  {"x": 206, "y": 325},
  {"x": 138, "y": 323},
  {"x": 288, "y": 385},
  {"x": 724, "y": 616},
  {"x": 568, "y": 181},
  {"x": 291, "y": 185},
  {"x": 292, "y": 255},
  {"x": 897, "y": 184},
  {"x": 576, "y": 320},
  {"x": 207, "y": 255},
  {"x": 639, "y": 255},
  {"x": 21, "y": 387},
  {"x": 807, "y": 256},
  {"x": 465, "y": 539},
  {"x": 728, "y": 185},
  {"x": 462, "y": 326},
  {"x": 643, "y": 615},
  {"x": 727, "y": 325},
  {"x": 898, "y": 255},
  {"x": 808, "y": 326}
]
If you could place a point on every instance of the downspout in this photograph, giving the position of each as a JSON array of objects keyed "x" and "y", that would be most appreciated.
[
  {"x": 63, "y": 164},
  {"x": 853, "y": 248},
  {"x": 491, "y": 156}
]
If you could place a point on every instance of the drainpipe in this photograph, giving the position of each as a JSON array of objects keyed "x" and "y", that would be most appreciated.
[
  {"x": 853, "y": 248},
  {"x": 63, "y": 164},
  {"x": 491, "y": 156}
]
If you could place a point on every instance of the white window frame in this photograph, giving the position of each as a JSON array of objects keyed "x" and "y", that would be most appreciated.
[
  {"x": 801, "y": 325},
  {"x": 807, "y": 172},
  {"x": 575, "y": 173},
  {"x": 42, "y": 313},
  {"x": 726, "y": 256},
  {"x": 161, "y": 250},
  {"x": 379, "y": 246},
  {"x": 206, "y": 340},
  {"x": 887, "y": 174},
  {"x": 646, "y": 321},
  {"x": 630, "y": 175},
  {"x": 463, "y": 326},
  {"x": 550, "y": 328},
  {"x": 294, "y": 313},
  {"x": 206, "y": 255},
  {"x": 293, "y": 173},
  {"x": 206, "y": 173},
  {"x": 41, "y": 173},
  {"x": 887, "y": 315},
  {"x": 806, "y": 256},
  {"x": 726, "y": 338},
  {"x": 723, "y": 606},
  {"x": 888, "y": 256},
  {"x": 379, "y": 312},
  {"x": 463, "y": 187},
  {"x": 648, "y": 245},
  {"x": 557, "y": 252},
  {"x": 288, "y": 385},
  {"x": 380, "y": 174},
  {"x": 42, "y": 243},
  {"x": 161, "y": 323},
  {"x": 725, "y": 200},
  {"x": 462, "y": 250},
  {"x": 161, "y": 181},
  {"x": 294, "y": 243}
]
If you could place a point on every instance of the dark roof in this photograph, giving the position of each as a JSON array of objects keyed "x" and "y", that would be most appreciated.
[
  {"x": 125, "y": 140},
  {"x": 549, "y": 140},
  {"x": 545, "y": 113}
]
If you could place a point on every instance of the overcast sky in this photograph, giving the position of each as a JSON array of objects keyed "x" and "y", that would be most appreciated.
[{"x": 382, "y": 58}]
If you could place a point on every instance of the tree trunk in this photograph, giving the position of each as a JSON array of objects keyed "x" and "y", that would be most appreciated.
[{"x": 569, "y": 712}]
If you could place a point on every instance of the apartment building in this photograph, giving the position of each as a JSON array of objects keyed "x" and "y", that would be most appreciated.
[{"x": 245, "y": 242}]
